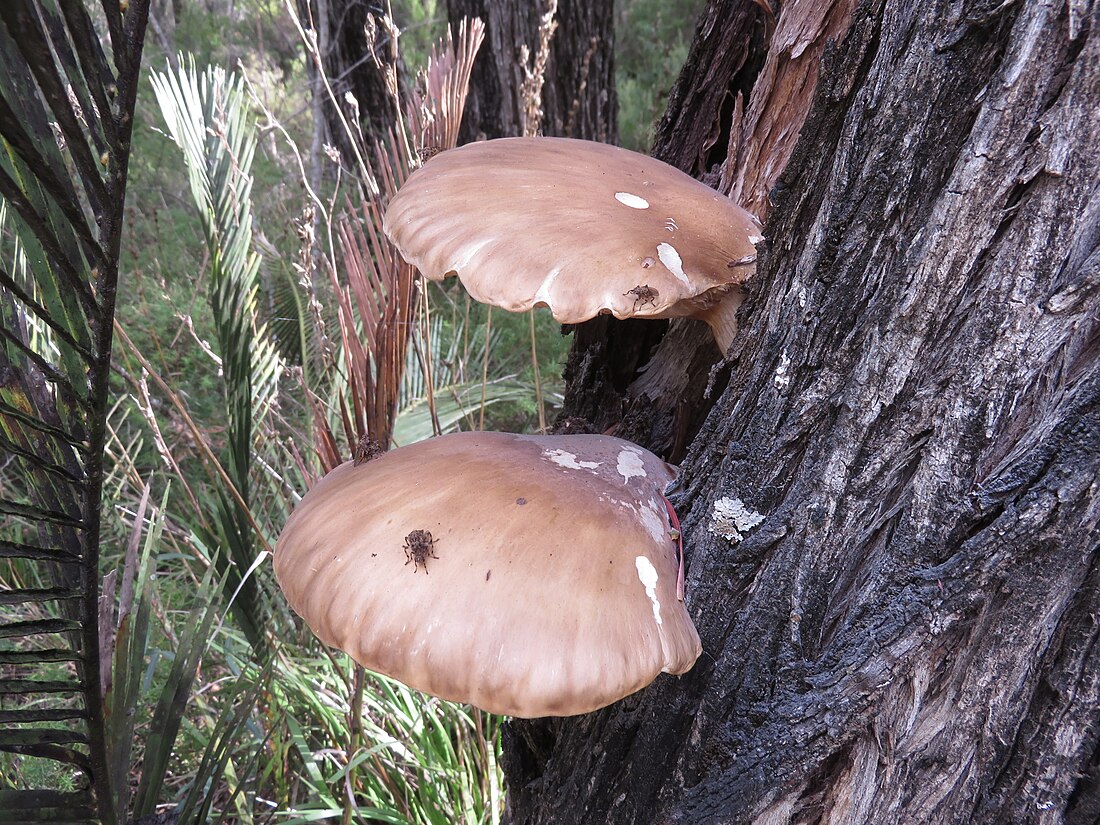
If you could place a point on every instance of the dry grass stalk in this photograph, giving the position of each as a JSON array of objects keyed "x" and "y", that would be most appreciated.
[
  {"x": 534, "y": 72},
  {"x": 531, "y": 92}
]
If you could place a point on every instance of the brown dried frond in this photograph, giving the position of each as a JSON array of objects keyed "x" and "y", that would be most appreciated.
[
  {"x": 435, "y": 112},
  {"x": 375, "y": 288}
]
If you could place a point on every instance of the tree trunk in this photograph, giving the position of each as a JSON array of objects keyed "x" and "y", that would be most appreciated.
[
  {"x": 357, "y": 50},
  {"x": 913, "y": 406},
  {"x": 578, "y": 97}
]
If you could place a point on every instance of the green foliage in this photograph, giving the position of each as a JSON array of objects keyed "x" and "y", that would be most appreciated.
[
  {"x": 422, "y": 24},
  {"x": 209, "y": 119},
  {"x": 257, "y": 740},
  {"x": 651, "y": 43}
]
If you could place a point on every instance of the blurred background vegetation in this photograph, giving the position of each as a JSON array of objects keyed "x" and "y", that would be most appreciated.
[{"x": 228, "y": 343}]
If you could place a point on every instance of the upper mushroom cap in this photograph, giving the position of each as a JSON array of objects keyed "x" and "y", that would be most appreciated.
[
  {"x": 578, "y": 226},
  {"x": 553, "y": 587}
]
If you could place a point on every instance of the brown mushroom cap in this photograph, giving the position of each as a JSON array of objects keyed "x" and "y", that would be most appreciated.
[
  {"x": 553, "y": 589},
  {"x": 577, "y": 226}
]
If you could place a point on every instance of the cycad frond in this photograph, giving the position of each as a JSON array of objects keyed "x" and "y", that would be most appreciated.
[
  {"x": 67, "y": 96},
  {"x": 208, "y": 117}
]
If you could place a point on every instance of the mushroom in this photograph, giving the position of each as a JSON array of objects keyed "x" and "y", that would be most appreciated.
[
  {"x": 527, "y": 575},
  {"x": 580, "y": 227}
]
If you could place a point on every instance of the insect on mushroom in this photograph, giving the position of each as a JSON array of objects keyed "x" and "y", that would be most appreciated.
[
  {"x": 644, "y": 295},
  {"x": 419, "y": 547},
  {"x": 365, "y": 450}
]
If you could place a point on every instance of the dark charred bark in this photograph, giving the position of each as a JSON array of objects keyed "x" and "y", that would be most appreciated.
[
  {"x": 579, "y": 100},
  {"x": 357, "y": 51},
  {"x": 910, "y": 635},
  {"x": 726, "y": 56},
  {"x": 733, "y": 118},
  {"x": 578, "y": 97}
]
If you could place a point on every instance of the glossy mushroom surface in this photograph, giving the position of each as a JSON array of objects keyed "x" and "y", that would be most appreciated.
[
  {"x": 580, "y": 227},
  {"x": 548, "y": 587}
]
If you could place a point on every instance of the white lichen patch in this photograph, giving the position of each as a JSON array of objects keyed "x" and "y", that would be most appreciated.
[
  {"x": 782, "y": 377},
  {"x": 633, "y": 201},
  {"x": 731, "y": 519},
  {"x": 630, "y": 465},
  {"x": 668, "y": 255},
  {"x": 564, "y": 458},
  {"x": 647, "y": 575}
]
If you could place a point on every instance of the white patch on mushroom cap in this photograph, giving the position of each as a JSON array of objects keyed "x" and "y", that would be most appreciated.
[
  {"x": 647, "y": 575},
  {"x": 755, "y": 239},
  {"x": 654, "y": 521},
  {"x": 468, "y": 253},
  {"x": 542, "y": 294},
  {"x": 630, "y": 465},
  {"x": 567, "y": 459},
  {"x": 731, "y": 519},
  {"x": 633, "y": 201},
  {"x": 673, "y": 262}
]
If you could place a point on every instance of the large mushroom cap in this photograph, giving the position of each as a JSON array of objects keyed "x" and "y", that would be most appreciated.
[
  {"x": 552, "y": 588},
  {"x": 580, "y": 227}
]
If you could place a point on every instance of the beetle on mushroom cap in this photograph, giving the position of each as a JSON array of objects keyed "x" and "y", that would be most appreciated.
[
  {"x": 551, "y": 576},
  {"x": 580, "y": 227}
]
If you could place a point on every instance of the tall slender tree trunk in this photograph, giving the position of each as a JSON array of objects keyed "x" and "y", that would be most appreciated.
[
  {"x": 578, "y": 97},
  {"x": 912, "y": 407}
]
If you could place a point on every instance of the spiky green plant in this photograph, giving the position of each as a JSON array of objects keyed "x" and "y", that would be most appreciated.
[
  {"x": 67, "y": 94},
  {"x": 209, "y": 118},
  {"x": 115, "y": 665},
  {"x": 379, "y": 761}
]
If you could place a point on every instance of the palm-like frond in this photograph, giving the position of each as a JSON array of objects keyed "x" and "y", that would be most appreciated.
[
  {"x": 208, "y": 117},
  {"x": 67, "y": 96},
  {"x": 455, "y": 402}
]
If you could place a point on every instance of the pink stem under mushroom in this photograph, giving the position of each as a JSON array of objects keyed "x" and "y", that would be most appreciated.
[{"x": 680, "y": 540}]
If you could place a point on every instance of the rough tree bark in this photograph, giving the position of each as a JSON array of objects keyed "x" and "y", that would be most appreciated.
[
  {"x": 578, "y": 98},
  {"x": 913, "y": 406}
]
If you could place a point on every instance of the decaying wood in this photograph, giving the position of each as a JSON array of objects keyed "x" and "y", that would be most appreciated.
[
  {"x": 726, "y": 55},
  {"x": 763, "y": 135},
  {"x": 910, "y": 635}
]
